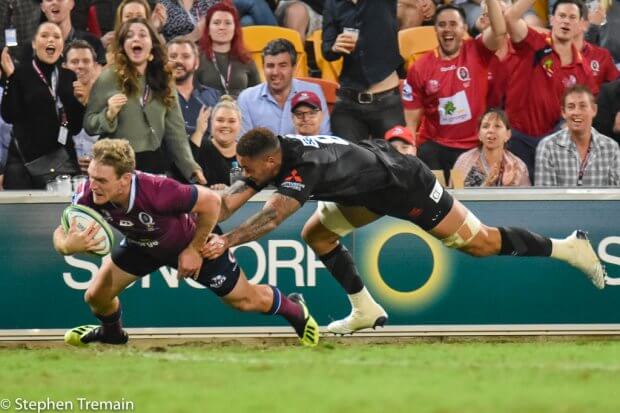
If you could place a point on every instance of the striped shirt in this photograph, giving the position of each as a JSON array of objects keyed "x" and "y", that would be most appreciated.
[{"x": 558, "y": 162}]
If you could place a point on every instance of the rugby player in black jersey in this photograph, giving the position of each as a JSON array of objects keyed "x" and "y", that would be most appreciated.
[{"x": 355, "y": 185}]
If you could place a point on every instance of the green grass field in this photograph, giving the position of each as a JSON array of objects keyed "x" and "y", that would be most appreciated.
[{"x": 339, "y": 376}]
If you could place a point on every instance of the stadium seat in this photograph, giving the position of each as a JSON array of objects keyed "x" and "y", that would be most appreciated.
[
  {"x": 416, "y": 41},
  {"x": 456, "y": 179},
  {"x": 440, "y": 177},
  {"x": 329, "y": 89},
  {"x": 255, "y": 38},
  {"x": 329, "y": 70}
]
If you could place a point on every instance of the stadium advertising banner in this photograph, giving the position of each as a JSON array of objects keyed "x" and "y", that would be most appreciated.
[{"x": 417, "y": 280}]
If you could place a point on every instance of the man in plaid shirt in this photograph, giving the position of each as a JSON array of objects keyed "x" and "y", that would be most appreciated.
[{"x": 578, "y": 155}]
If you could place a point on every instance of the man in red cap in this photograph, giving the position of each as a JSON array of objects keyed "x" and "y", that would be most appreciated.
[
  {"x": 401, "y": 138},
  {"x": 307, "y": 113}
]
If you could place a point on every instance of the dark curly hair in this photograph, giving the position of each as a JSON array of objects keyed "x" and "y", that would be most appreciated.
[{"x": 158, "y": 75}]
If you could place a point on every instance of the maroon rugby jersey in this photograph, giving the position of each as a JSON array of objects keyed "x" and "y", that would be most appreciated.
[{"x": 158, "y": 214}]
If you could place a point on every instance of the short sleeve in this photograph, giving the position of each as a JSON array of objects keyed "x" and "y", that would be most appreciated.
[
  {"x": 412, "y": 89},
  {"x": 532, "y": 41},
  {"x": 299, "y": 182},
  {"x": 171, "y": 197}
]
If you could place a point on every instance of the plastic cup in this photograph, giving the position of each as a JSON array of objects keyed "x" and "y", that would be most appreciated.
[
  {"x": 63, "y": 183},
  {"x": 77, "y": 180},
  {"x": 354, "y": 33}
]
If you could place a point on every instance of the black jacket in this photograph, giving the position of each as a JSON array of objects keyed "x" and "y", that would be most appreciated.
[
  {"x": 608, "y": 102},
  {"x": 29, "y": 106}
]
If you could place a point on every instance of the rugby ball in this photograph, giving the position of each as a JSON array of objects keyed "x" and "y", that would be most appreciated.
[{"x": 84, "y": 217}]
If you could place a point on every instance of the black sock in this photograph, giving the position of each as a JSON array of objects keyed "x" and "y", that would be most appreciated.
[
  {"x": 339, "y": 263},
  {"x": 523, "y": 243},
  {"x": 111, "y": 324},
  {"x": 291, "y": 311}
]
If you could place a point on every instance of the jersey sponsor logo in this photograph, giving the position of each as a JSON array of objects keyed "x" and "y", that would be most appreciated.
[
  {"x": 436, "y": 193},
  {"x": 447, "y": 68},
  {"x": 293, "y": 181},
  {"x": 147, "y": 243},
  {"x": 217, "y": 281},
  {"x": 407, "y": 92},
  {"x": 125, "y": 223},
  {"x": 595, "y": 66},
  {"x": 415, "y": 212},
  {"x": 463, "y": 74},
  {"x": 454, "y": 109},
  {"x": 294, "y": 176},
  {"x": 432, "y": 86}
]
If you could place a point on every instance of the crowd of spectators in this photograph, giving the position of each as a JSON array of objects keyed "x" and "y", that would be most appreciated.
[{"x": 516, "y": 93}]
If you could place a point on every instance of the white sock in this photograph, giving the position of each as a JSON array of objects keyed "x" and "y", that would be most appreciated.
[
  {"x": 562, "y": 249},
  {"x": 361, "y": 299}
]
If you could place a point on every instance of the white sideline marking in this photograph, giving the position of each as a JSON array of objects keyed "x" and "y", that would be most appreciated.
[{"x": 363, "y": 362}]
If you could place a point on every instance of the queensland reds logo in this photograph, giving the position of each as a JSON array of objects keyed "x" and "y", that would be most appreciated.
[
  {"x": 595, "y": 65},
  {"x": 147, "y": 221},
  {"x": 463, "y": 74}
]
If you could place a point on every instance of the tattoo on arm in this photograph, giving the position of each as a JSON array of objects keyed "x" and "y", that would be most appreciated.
[
  {"x": 228, "y": 195},
  {"x": 276, "y": 209}
]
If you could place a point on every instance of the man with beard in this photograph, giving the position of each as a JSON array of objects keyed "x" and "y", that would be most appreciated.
[
  {"x": 446, "y": 89},
  {"x": 196, "y": 100}
]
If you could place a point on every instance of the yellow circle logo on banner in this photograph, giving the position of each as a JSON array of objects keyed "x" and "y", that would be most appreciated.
[{"x": 406, "y": 299}]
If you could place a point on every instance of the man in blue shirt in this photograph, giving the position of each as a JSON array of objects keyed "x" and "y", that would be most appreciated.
[
  {"x": 268, "y": 104},
  {"x": 196, "y": 100}
]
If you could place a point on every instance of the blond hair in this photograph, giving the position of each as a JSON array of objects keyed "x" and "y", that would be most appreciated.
[
  {"x": 226, "y": 102},
  {"x": 116, "y": 153}
]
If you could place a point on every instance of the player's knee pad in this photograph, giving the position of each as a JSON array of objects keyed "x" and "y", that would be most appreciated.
[
  {"x": 332, "y": 218},
  {"x": 463, "y": 236}
]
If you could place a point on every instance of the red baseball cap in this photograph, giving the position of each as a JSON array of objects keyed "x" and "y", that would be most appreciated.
[
  {"x": 400, "y": 132},
  {"x": 306, "y": 98}
]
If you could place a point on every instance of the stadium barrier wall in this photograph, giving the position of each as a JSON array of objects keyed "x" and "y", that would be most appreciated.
[{"x": 426, "y": 288}]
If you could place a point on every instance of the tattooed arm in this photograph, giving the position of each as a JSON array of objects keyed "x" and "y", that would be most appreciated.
[
  {"x": 276, "y": 209},
  {"x": 233, "y": 198}
]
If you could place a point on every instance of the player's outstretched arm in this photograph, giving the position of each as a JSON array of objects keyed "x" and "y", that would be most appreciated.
[
  {"x": 276, "y": 209},
  {"x": 74, "y": 240},
  {"x": 234, "y": 197}
]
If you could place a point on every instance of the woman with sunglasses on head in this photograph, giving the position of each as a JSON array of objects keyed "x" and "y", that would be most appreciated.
[{"x": 133, "y": 99}]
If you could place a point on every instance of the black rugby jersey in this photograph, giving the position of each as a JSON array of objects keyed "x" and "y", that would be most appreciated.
[{"x": 370, "y": 174}]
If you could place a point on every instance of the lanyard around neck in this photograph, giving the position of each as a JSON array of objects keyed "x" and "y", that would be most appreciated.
[
  {"x": 584, "y": 164},
  {"x": 53, "y": 89},
  {"x": 224, "y": 81}
]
